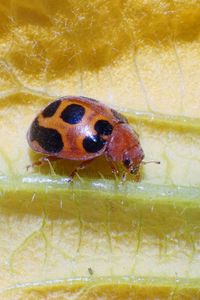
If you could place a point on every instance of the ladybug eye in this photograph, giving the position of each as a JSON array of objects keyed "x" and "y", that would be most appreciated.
[{"x": 127, "y": 162}]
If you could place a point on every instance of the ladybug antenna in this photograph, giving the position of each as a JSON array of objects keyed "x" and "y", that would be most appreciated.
[{"x": 151, "y": 162}]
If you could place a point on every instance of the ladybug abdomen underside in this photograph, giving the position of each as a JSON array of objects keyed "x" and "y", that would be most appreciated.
[{"x": 75, "y": 128}]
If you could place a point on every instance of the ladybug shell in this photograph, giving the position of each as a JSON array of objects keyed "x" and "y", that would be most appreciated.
[{"x": 75, "y": 128}]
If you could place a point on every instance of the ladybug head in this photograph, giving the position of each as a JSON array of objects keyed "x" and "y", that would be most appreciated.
[
  {"x": 132, "y": 158},
  {"x": 124, "y": 147}
]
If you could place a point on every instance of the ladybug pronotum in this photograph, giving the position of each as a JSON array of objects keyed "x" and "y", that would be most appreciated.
[{"x": 80, "y": 128}]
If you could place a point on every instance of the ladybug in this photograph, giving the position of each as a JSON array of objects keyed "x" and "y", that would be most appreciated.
[{"x": 81, "y": 129}]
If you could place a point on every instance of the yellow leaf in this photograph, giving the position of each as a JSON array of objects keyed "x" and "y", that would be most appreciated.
[{"x": 98, "y": 238}]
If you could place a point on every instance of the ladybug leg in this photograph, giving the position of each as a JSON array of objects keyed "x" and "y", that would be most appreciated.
[
  {"x": 112, "y": 165},
  {"x": 113, "y": 168},
  {"x": 80, "y": 167},
  {"x": 124, "y": 175},
  {"x": 42, "y": 161},
  {"x": 137, "y": 176}
]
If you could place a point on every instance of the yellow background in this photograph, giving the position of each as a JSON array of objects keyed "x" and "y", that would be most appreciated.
[{"x": 140, "y": 239}]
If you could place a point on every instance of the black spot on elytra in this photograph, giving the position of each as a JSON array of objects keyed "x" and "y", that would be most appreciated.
[
  {"x": 93, "y": 144},
  {"x": 119, "y": 116},
  {"x": 103, "y": 127},
  {"x": 73, "y": 114},
  {"x": 49, "y": 139},
  {"x": 51, "y": 109}
]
